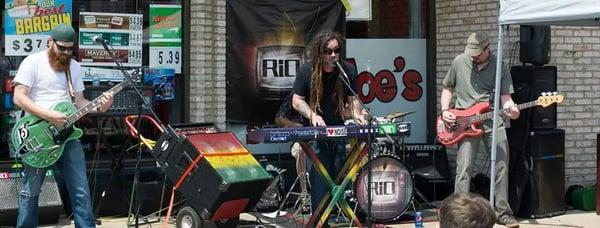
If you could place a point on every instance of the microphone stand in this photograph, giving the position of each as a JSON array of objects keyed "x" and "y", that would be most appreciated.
[
  {"x": 142, "y": 102},
  {"x": 372, "y": 119}
]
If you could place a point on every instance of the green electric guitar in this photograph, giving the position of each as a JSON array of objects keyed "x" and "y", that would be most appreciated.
[{"x": 40, "y": 144}]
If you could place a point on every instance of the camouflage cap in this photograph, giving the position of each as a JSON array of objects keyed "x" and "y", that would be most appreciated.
[{"x": 476, "y": 43}]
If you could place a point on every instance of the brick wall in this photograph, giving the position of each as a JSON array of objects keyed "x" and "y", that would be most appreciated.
[
  {"x": 575, "y": 53},
  {"x": 207, "y": 61}
]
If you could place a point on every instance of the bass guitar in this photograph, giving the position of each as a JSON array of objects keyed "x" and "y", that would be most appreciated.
[
  {"x": 40, "y": 144},
  {"x": 467, "y": 120}
]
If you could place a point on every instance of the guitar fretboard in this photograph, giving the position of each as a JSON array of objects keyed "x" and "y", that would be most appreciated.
[
  {"x": 94, "y": 104},
  {"x": 488, "y": 115}
]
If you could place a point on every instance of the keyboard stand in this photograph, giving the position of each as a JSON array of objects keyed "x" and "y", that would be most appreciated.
[{"x": 329, "y": 200}]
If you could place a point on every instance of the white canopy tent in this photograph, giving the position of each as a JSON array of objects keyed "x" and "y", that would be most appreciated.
[{"x": 536, "y": 12}]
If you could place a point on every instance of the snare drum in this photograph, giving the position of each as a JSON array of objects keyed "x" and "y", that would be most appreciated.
[{"x": 391, "y": 191}]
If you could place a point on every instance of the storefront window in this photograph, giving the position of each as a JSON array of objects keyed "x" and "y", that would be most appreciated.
[
  {"x": 392, "y": 19},
  {"x": 390, "y": 53},
  {"x": 124, "y": 24}
]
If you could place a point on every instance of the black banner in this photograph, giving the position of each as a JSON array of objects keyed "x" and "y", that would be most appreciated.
[{"x": 267, "y": 42}]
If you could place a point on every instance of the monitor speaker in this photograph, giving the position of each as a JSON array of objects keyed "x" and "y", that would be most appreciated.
[
  {"x": 529, "y": 83},
  {"x": 545, "y": 191},
  {"x": 535, "y": 44},
  {"x": 219, "y": 177}
]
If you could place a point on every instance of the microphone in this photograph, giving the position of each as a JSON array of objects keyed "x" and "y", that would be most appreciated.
[
  {"x": 337, "y": 63},
  {"x": 99, "y": 40}
]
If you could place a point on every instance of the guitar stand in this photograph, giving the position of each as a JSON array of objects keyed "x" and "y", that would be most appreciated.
[{"x": 331, "y": 198}]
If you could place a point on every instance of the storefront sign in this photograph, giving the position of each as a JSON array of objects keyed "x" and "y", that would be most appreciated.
[
  {"x": 102, "y": 74},
  {"x": 361, "y": 10},
  {"x": 28, "y": 23},
  {"x": 123, "y": 32},
  {"x": 110, "y": 21},
  {"x": 391, "y": 78},
  {"x": 165, "y": 37},
  {"x": 99, "y": 57},
  {"x": 116, "y": 39}
]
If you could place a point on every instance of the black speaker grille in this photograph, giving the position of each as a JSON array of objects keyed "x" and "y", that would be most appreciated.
[
  {"x": 49, "y": 204},
  {"x": 544, "y": 194},
  {"x": 11, "y": 187},
  {"x": 534, "y": 44},
  {"x": 529, "y": 83}
]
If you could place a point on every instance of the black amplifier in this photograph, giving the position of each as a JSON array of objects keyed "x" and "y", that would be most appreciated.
[{"x": 125, "y": 102}]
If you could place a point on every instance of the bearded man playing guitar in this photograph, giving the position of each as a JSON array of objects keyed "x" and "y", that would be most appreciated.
[
  {"x": 43, "y": 80},
  {"x": 471, "y": 79}
]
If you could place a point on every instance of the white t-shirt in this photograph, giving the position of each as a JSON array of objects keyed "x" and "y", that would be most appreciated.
[{"x": 47, "y": 87}]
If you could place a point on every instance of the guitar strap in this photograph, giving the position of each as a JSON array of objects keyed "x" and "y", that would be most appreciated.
[{"x": 70, "y": 83}]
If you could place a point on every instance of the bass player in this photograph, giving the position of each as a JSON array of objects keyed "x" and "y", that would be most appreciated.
[
  {"x": 471, "y": 79},
  {"x": 44, "y": 79}
]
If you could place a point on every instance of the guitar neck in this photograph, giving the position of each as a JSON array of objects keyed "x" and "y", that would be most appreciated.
[
  {"x": 489, "y": 115},
  {"x": 94, "y": 104}
]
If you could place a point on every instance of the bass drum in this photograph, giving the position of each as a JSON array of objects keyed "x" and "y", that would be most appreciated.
[{"x": 391, "y": 191}]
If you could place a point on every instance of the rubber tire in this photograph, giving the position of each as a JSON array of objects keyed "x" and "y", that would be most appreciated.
[{"x": 188, "y": 218}]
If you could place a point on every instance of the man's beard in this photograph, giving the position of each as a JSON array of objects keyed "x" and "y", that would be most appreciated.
[{"x": 58, "y": 62}]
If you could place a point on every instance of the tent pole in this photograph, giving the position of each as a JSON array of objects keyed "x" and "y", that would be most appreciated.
[{"x": 496, "y": 115}]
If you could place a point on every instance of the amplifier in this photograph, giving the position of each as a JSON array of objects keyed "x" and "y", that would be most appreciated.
[
  {"x": 223, "y": 179},
  {"x": 428, "y": 162},
  {"x": 124, "y": 102},
  {"x": 49, "y": 204}
]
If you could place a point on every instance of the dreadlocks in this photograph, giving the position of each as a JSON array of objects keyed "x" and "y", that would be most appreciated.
[{"x": 316, "y": 84}]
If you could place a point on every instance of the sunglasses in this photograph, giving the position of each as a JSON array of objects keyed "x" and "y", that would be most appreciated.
[
  {"x": 63, "y": 48},
  {"x": 328, "y": 51}
]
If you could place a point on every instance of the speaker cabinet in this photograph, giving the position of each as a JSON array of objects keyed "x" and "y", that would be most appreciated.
[
  {"x": 529, "y": 83},
  {"x": 429, "y": 164},
  {"x": 545, "y": 191},
  {"x": 220, "y": 179},
  {"x": 49, "y": 204},
  {"x": 111, "y": 185},
  {"x": 534, "y": 44}
]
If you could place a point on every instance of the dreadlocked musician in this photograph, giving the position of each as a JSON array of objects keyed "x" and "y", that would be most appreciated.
[{"x": 321, "y": 97}]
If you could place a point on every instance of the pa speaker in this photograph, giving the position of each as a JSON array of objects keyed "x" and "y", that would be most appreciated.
[
  {"x": 218, "y": 176},
  {"x": 49, "y": 204},
  {"x": 529, "y": 83},
  {"x": 535, "y": 44},
  {"x": 545, "y": 191}
]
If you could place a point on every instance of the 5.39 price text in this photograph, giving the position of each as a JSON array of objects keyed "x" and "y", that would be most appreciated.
[{"x": 168, "y": 57}]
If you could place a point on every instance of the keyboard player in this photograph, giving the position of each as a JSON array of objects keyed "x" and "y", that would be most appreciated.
[{"x": 322, "y": 98}]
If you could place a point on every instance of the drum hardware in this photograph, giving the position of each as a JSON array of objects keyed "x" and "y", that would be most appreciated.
[{"x": 303, "y": 201}]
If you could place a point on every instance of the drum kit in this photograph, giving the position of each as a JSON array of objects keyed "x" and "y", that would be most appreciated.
[{"x": 392, "y": 184}]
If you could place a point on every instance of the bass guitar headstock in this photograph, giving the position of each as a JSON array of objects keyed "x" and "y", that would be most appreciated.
[{"x": 549, "y": 98}]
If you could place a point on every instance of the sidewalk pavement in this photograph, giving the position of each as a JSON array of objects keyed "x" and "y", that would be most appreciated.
[{"x": 572, "y": 219}]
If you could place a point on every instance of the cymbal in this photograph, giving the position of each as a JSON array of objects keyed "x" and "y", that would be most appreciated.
[{"x": 398, "y": 114}]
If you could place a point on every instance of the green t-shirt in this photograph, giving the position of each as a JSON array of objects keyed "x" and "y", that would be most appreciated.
[{"x": 471, "y": 85}]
